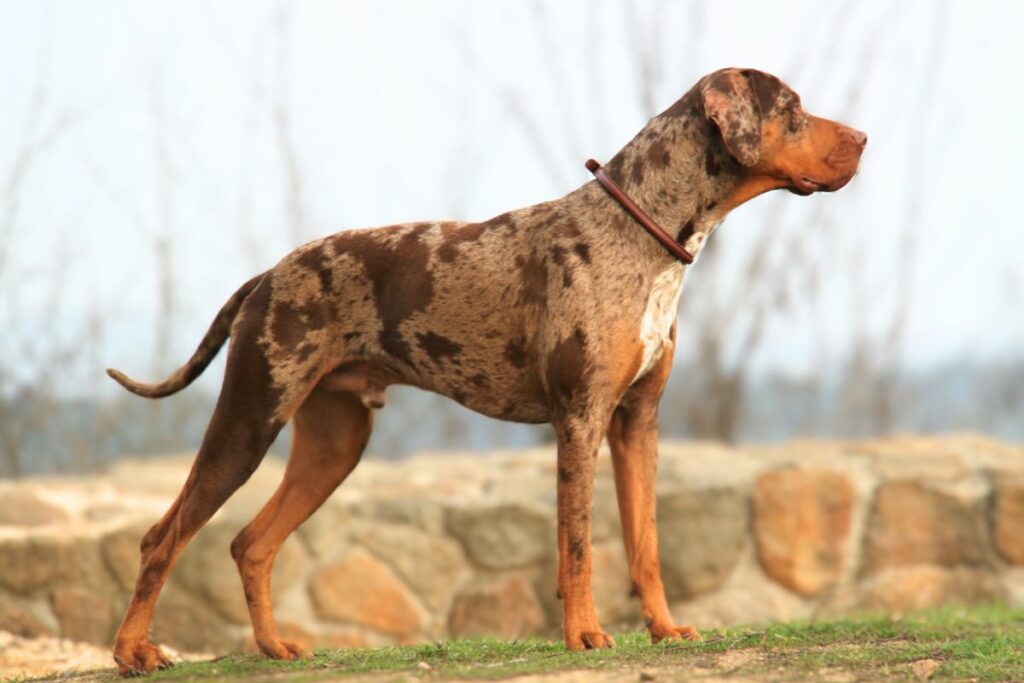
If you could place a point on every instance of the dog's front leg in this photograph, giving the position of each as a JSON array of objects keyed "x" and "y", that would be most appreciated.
[
  {"x": 633, "y": 439},
  {"x": 578, "y": 442}
]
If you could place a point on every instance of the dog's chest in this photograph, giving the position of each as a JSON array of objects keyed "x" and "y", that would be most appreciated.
[{"x": 659, "y": 315}]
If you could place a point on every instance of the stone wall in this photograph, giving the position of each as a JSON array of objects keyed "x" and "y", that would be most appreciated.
[{"x": 464, "y": 545}]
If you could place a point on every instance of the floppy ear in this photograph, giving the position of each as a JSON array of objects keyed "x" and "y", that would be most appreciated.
[{"x": 731, "y": 104}]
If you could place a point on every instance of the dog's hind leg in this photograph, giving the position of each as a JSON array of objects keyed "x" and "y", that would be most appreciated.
[
  {"x": 248, "y": 416},
  {"x": 331, "y": 430}
]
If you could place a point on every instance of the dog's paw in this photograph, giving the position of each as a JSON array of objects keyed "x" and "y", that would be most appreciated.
[
  {"x": 280, "y": 649},
  {"x": 670, "y": 632},
  {"x": 140, "y": 658},
  {"x": 589, "y": 640}
]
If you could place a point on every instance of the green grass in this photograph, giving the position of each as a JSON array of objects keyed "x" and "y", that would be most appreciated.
[{"x": 981, "y": 643}]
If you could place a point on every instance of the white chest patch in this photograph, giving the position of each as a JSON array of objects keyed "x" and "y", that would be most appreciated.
[{"x": 659, "y": 316}]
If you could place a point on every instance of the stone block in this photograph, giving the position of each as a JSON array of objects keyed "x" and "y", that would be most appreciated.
[
  {"x": 360, "y": 589},
  {"x": 910, "y": 523},
  {"x": 701, "y": 536},
  {"x": 505, "y": 535},
  {"x": 504, "y": 608},
  {"x": 801, "y": 527}
]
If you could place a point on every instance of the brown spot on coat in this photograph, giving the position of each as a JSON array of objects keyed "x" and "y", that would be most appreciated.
[
  {"x": 567, "y": 227},
  {"x": 316, "y": 260},
  {"x": 502, "y": 221},
  {"x": 766, "y": 89},
  {"x": 711, "y": 165},
  {"x": 438, "y": 346},
  {"x": 582, "y": 250},
  {"x": 533, "y": 277},
  {"x": 731, "y": 105},
  {"x": 658, "y": 154},
  {"x": 636, "y": 172},
  {"x": 568, "y": 366},
  {"x": 291, "y": 323},
  {"x": 686, "y": 232},
  {"x": 453, "y": 237},
  {"x": 402, "y": 281},
  {"x": 577, "y": 546},
  {"x": 614, "y": 167},
  {"x": 515, "y": 353}
]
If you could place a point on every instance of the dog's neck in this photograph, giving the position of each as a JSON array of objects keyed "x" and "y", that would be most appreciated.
[{"x": 677, "y": 169}]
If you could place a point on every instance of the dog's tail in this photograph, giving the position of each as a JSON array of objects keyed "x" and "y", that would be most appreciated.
[{"x": 219, "y": 331}]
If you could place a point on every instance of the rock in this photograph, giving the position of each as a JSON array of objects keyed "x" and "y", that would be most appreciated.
[
  {"x": 905, "y": 589},
  {"x": 325, "y": 534},
  {"x": 23, "y": 618},
  {"x": 185, "y": 622},
  {"x": 606, "y": 524},
  {"x": 120, "y": 551},
  {"x": 801, "y": 525},
  {"x": 433, "y": 566},
  {"x": 83, "y": 615},
  {"x": 25, "y": 508},
  {"x": 504, "y": 535},
  {"x": 750, "y": 598},
  {"x": 27, "y": 564},
  {"x": 207, "y": 569},
  {"x": 611, "y": 585},
  {"x": 1008, "y": 519},
  {"x": 503, "y": 608},
  {"x": 104, "y": 512},
  {"x": 701, "y": 535},
  {"x": 163, "y": 476},
  {"x": 421, "y": 511},
  {"x": 910, "y": 524},
  {"x": 362, "y": 590}
]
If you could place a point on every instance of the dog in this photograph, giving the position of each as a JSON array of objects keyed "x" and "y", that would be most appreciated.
[{"x": 563, "y": 312}]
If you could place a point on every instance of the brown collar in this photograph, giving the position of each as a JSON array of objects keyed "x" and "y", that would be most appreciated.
[{"x": 672, "y": 246}]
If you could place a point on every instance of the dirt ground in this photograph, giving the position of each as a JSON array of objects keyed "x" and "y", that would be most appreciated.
[{"x": 58, "y": 659}]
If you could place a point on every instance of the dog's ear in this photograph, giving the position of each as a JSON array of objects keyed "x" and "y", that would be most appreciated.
[{"x": 732, "y": 105}]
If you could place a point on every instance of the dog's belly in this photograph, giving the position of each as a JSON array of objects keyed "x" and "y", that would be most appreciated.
[
  {"x": 659, "y": 316},
  {"x": 495, "y": 392},
  {"x": 524, "y": 409},
  {"x": 505, "y": 396}
]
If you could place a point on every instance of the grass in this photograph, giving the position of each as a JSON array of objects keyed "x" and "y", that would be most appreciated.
[{"x": 979, "y": 643}]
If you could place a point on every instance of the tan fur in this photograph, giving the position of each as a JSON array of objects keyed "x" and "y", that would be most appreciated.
[{"x": 562, "y": 312}]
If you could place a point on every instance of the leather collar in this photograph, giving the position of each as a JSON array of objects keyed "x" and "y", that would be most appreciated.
[{"x": 639, "y": 215}]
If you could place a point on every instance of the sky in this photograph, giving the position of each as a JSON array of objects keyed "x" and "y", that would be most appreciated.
[{"x": 159, "y": 118}]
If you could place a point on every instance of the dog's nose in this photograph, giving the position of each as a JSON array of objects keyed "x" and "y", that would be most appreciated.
[{"x": 859, "y": 137}]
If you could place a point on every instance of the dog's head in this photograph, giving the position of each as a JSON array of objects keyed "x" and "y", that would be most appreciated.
[{"x": 776, "y": 142}]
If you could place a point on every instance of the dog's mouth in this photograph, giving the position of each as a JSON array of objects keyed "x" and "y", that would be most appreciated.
[{"x": 805, "y": 185}]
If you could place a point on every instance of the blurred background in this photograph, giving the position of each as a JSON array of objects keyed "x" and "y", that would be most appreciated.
[{"x": 155, "y": 155}]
